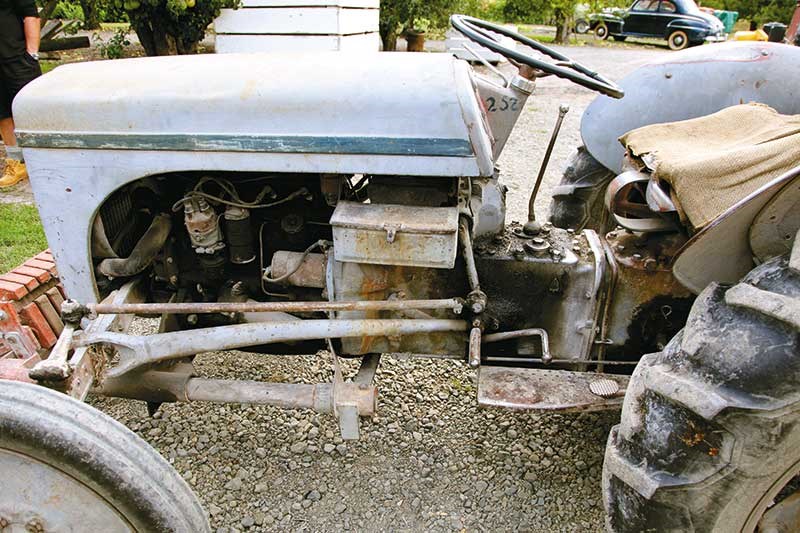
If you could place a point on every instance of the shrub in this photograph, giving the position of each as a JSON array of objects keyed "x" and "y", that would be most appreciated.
[
  {"x": 114, "y": 48},
  {"x": 398, "y": 15},
  {"x": 168, "y": 27},
  {"x": 67, "y": 10},
  {"x": 483, "y": 9}
]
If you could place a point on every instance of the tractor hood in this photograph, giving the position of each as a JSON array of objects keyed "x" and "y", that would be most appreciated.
[{"x": 413, "y": 114}]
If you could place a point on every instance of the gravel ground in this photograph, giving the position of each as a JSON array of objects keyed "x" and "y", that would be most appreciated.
[{"x": 431, "y": 460}]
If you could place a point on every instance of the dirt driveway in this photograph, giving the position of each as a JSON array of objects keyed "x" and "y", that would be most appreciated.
[{"x": 431, "y": 461}]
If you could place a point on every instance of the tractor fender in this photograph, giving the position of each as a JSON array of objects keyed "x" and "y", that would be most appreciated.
[
  {"x": 763, "y": 225},
  {"x": 689, "y": 84}
]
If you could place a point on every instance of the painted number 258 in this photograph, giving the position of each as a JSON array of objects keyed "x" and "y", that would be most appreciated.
[{"x": 506, "y": 103}]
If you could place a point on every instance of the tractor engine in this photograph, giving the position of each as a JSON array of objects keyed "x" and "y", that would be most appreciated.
[
  {"x": 241, "y": 237},
  {"x": 234, "y": 237}
]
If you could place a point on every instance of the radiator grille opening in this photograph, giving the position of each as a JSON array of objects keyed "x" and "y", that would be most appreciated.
[{"x": 120, "y": 222}]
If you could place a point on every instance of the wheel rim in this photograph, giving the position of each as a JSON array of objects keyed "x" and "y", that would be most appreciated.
[
  {"x": 601, "y": 31},
  {"x": 582, "y": 27},
  {"x": 39, "y": 497},
  {"x": 761, "y": 507},
  {"x": 678, "y": 40}
]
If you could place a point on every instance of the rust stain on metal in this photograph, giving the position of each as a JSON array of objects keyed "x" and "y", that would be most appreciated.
[
  {"x": 544, "y": 390},
  {"x": 256, "y": 307}
]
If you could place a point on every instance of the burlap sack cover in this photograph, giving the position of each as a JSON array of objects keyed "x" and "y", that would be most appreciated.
[{"x": 712, "y": 162}]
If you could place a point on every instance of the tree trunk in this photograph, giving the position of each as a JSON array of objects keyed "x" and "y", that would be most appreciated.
[
  {"x": 186, "y": 48},
  {"x": 562, "y": 27},
  {"x": 388, "y": 37},
  {"x": 154, "y": 37},
  {"x": 91, "y": 19},
  {"x": 145, "y": 34}
]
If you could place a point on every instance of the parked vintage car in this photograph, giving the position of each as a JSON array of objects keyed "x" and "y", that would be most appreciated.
[{"x": 680, "y": 22}]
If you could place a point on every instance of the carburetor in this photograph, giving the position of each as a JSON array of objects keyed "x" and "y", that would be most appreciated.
[{"x": 202, "y": 223}]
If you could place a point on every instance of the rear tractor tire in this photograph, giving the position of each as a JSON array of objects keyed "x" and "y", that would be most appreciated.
[
  {"x": 578, "y": 199},
  {"x": 68, "y": 467},
  {"x": 710, "y": 428},
  {"x": 678, "y": 40}
]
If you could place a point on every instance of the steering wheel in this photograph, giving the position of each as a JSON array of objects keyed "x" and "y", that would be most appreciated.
[{"x": 476, "y": 30}]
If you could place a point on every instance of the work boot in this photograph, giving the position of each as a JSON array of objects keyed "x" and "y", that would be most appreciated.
[{"x": 14, "y": 173}]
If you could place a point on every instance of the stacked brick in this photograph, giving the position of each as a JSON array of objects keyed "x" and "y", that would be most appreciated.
[{"x": 31, "y": 297}]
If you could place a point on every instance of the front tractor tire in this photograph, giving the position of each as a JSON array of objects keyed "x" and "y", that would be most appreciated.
[
  {"x": 678, "y": 40},
  {"x": 68, "y": 467},
  {"x": 710, "y": 428}
]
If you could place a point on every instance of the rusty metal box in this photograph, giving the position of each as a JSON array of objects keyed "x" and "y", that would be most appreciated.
[{"x": 385, "y": 234}]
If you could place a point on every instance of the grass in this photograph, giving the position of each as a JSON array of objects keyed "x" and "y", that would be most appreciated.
[
  {"x": 21, "y": 235},
  {"x": 550, "y": 39},
  {"x": 114, "y": 26},
  {"x": 48, "y": 65}
]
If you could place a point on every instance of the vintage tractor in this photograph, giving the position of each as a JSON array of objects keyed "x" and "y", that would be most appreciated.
[{"x": 349, "y": 205}]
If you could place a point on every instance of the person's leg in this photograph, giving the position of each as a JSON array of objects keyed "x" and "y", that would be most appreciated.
[
  {"x": 7, "y": 130},
  {"x": 14, "y": 75},
  {"x": 13, "y": 151},
  {"x": 6, "y": 122},
  {"x": 14, "y": 170}
]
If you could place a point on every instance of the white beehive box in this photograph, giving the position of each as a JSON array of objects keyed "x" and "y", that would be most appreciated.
[
  {"x": 455, "y": 45},
  {"x": 299, "y": 26}
]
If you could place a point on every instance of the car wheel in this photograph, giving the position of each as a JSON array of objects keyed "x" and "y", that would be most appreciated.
[
  {"x": 620, "y": 38},
  {"x": 601, "y": 31},
  {"x": 69, "y": 467},
  {"x": 709, "y": 436},
  {"x": 581, "y": 26},
  {"x": 678, "y": 40}
]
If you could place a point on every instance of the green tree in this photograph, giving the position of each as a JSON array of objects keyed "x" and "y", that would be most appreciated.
[
  {"x": 560, "y": 13},
  {"x": 563, "y": 18},
  {"x": 91, "y": 14},
  {"x": 759, "y": 12},
  {"x": 169, "y": 27},
  {"x": 399, "y": 15}
]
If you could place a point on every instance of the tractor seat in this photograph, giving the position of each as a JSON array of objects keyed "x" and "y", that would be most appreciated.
[{"x": 712, "y": 162}]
